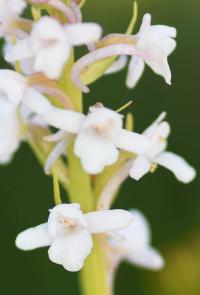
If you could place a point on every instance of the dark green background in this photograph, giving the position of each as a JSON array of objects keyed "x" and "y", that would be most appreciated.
[{"x": 172, "y": 208}]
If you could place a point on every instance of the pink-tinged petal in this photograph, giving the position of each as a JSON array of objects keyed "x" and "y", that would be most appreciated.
[
  {"x": 141, "y": 166},
  {"x": 97, "y": 55},
  {"x": 135, "y": 71},
  {"x": 70, "y": 250},
  {"x": 108, "y": 220},
  {"x": 183, "y": 171},
  {"x": 67, "y": 11},
  {"x": 33, "y": 238}
]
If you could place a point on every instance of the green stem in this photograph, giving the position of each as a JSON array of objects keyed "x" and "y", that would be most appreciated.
[
  {"x": 80, "y": 189},
  {"x": 93, "y": 278},
  {"x": 57, "y": 197}
]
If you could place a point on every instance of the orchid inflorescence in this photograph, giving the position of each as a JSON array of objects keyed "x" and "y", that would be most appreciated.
[{"x": 45, "y": 90}]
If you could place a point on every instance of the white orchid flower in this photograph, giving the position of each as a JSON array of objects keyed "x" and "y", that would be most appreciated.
[
  {"x": 151, "y": 45},
  {"x": 14, "y": 91},
  {"x": 19, "y": 95},
  {"x": 100, "y": 135},
  {"x": 30, "y": 90},
  {"x": 157, "y": 134},
  {"x": 9, "y": 13},
  {"x": 157, "y": 43},
  {"x": 49, "y": 45},
  {"x": 134, "y": 245},
  {"x": 10, "y": 135},
  {"x": 68, "y": 232}
]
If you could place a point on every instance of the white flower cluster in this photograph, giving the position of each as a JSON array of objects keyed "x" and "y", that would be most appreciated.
[{"x": 41, "y": 50}]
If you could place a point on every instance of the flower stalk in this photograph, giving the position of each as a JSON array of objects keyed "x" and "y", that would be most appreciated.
[
  {"x": 94, "y": 277},
  {"x": 91, "y": 153}
]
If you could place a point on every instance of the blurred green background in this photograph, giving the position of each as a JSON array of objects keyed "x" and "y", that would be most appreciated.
[{"x": 172, "y": 208}]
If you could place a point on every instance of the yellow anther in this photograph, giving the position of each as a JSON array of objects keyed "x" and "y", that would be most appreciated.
[
  {"x": 161, "y": 139},
  {"x": 153, "y": 168},
  {"x": 125, "y": 106}
]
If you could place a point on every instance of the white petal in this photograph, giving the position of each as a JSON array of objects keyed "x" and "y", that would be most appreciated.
[
  {"x": 15, "y": 6},
  {"x": 135, "y": 71},
  {"x": 36, "y": 102},
  {"x": 168, "y": 45},
  {"x": 132, "y": 142},
  {"x": 47, "y": 33},
  {"x": 117, "y": 66},
  {"x": 108, "y": 220},
  {"x": 10, "y": 9},
  {"x": 146, "y": 23},
  {"x": 152, "y": 128},
  {"x": 67, "y": 120},
  {"x": 157, "y": 61},
  {"x": 51, "y": 61},
  {"x": 95, "y": 152},
  {"x": 27, "y": 66},
  {"x": 135, "y": 244},
  {"x": 181, "y": 169},
  {"x": 22, "y": 50},
  {"x": 159, "y": 31},
  {"x": 13, "y": 85},
  {"x": 148, "y": 258},
  {"x": 33, "y": 238},
  {"x": 141, "y": 166},
  {"x": 71, "y": 250},
  {"x": 162, "y": 36},
  {"x": 10, "y": 135},
  {"x": 83, "y": 33},
  {"x": 137, "y": 235}
]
